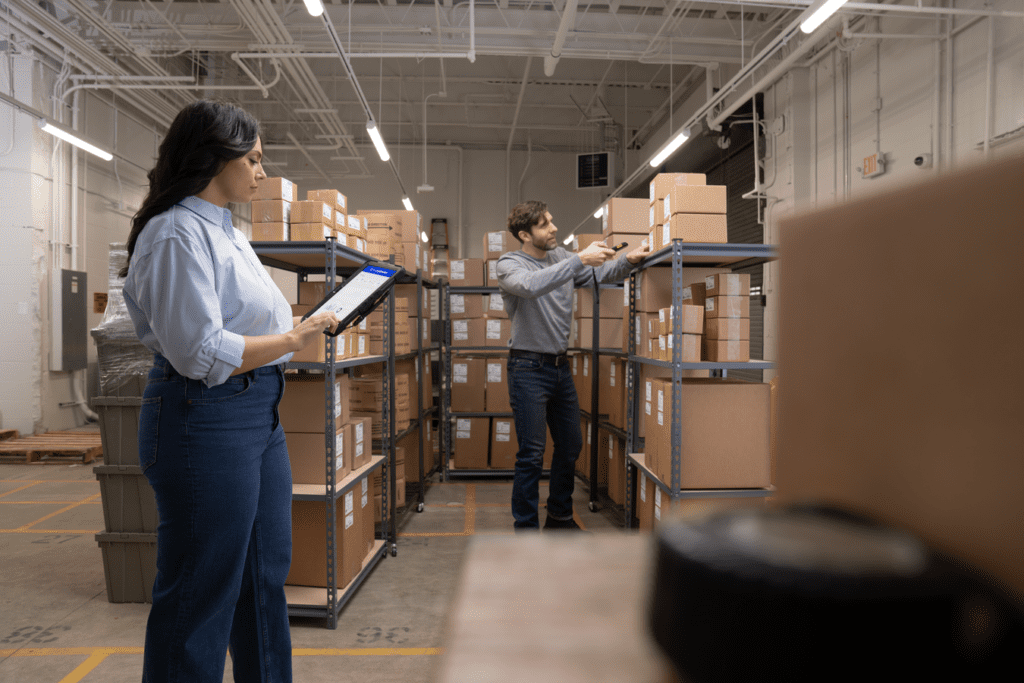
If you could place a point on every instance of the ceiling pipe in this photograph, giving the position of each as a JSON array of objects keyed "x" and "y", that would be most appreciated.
[
  {"x": 512, "y": 130},
  {"x": 568, "y": 21},
  {"x": 309, "y": 158}
]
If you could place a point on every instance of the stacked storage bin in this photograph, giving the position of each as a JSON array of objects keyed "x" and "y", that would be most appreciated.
[{"x": 129, "y": 506}]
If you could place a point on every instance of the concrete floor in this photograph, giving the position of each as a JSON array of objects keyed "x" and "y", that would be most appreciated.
[{"x": 56, "y": 624}]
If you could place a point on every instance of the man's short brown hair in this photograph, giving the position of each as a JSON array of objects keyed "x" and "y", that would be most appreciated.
[{"x": 526, "y": 215}]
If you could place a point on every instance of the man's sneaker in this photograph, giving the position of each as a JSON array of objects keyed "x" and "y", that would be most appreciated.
[{"x": 562, "y": 524}]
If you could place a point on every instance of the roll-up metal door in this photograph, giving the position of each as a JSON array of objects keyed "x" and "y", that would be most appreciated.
[{"x": 736, "y": 172}]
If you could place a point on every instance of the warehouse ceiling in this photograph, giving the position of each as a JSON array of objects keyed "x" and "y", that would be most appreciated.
[{"x": 566, "y": 75}]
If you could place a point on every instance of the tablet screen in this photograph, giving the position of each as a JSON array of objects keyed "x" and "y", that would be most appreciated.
[{"x": 356, "y": 291}]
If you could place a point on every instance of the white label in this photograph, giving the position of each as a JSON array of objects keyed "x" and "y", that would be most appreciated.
[
  {"x": 661, "y": 342},
  {"x": 353, "y": 223},
  {"x": 364, "y": 325},
  {"x": 339, "y": 446},
  {"x": 366, "y": 486},
  {"x": 350, "y": 520},
  {"x": 668, "y": 206},
  {"x": 327, "y": 231},
  {"x": 350, "y": 504},
  {"x": 652, "y": 223},
  {"x": 366, "y": 499},
  {"x": 502, "y": 427},
  {"x": 709, "y": 304},
  {"x": 661, "y": 315},
  {"x": 657, "y": 498},
  {"x": 492, "y": 269},
  {"x": 287, "y": 190},
  {"x": 625, "y": 295},
  {"x": 666, "y": 233},
  {"x": 611, "y": 379},
  {"x": 339, "y": 219},
  {"x": 586, "y": 365},
  {"x": 502, "y": 437},
  {"x": 494, "y": 372},
  {"x": 460, "y": 373},
  {"x": 463, "y": 423},
  {"x": 575, "y": 243},
  {"x": 426, "y": 330},
  {"x": 638, "y": 331},
  {"x": 460, "y": 330},
  {"x": 643, "y": 487},
  {"x": 661, "y": 400},
  {"x": 497, "y": 303},
  {"x": 604, "y": 221},
  {"x": 709, "y": 282},
  {"x": 661, "y": 419},
  {"x": 657, "y": 514},
  {"x": 362, "y": 345},
  {"x": 648, "y": 405},
  {"x": 337, "y": 400},
  {"x": 359, "y": 450},
  {"x": 458, "y": 303},
  {"x": 652, "y": 190},
  {"x": 687, "y": 293},
  {"x": 361, "y": 245},
  {"x": 650, "y": 390},
  {"x": 462, "y": 435},
  {"x": 458, "y": 270},
  {"x": 494, "y": 241},
  {"x": 494, "y": 329},
  {"x": 611, "y": 449},
  {"x": 575, "y": 367},
  {"x": 340, "y": 201}
]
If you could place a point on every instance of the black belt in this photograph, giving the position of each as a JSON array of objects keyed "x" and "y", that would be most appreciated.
[{"x": 555, "y": 359}]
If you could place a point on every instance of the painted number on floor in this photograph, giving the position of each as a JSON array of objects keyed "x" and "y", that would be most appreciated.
[
  {"x": 34, "y": 634},
  {"x": 375, "y": 634}
]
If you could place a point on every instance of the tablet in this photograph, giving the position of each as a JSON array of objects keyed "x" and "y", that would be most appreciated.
[{"x": 356, "y": 297}]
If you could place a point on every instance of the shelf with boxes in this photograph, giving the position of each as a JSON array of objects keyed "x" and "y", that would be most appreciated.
[
  {"x": 336, "y": 477},
  {"x": 704, "y": 435}
]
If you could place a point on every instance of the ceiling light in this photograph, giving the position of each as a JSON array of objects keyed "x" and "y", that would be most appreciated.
[
  {"x": 408, "y": 203},
  {"x": 378, "y": 141},
  {"x": 672, "y": 145},
  {"x": 423, "y": 236},
  {"x": 314, "y": 7},
  {"x": 73, "y": 139},
  {"x": 818, "y": 12},
  {"x": 599, "y": 213},
  {"x": 567, "y": 240}
]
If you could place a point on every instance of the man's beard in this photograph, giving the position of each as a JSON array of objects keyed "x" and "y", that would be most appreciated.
[{"x": 544, "y": 244}]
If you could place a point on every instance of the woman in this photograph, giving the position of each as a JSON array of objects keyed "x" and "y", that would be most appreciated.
[{"x": 210, "y": 442}]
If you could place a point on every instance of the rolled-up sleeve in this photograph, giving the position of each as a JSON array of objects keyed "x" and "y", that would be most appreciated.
[{"x": 177, "y": 292}]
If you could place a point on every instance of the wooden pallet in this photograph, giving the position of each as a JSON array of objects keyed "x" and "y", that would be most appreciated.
[{"x": 50, "y": 448}]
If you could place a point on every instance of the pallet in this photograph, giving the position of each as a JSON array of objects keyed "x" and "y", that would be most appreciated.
[{"x": 50, "y": 448}]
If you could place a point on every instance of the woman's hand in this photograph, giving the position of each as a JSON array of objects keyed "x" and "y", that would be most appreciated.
[{"x": 306, "y": 331}]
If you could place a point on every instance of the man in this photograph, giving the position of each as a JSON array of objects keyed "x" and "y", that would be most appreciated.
[{"x": 537, "y": 285}]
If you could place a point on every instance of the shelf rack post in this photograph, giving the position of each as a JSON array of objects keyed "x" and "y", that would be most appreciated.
[
  {"x": 594, "y": 398},
  {"x": 331, "y": 502},
  {"x": 677, "y": 358},
  {"x": 631, "y": 402},
  {"x": 446, "y": 370}
]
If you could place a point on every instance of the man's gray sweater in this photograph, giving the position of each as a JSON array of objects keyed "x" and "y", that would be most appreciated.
[{"x": 538, "y": 295}]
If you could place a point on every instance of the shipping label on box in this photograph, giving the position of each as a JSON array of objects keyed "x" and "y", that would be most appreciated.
[
  {"x": 313, "y": 212},
  {"x": 496, "y": 306},
  {"x": 492, "y": 273},
  {"x": 694, "y": 295},
  {"x": 727, "y": 307},
  {"x": 696, "y": 227},
  {"x": 498, "y": 332},
  {"x": 662, "y": 183},
  {"x": 276, "y": 188},
  {"x": 498, "y": 243},
  {"x": 693, "y": 199},
  {"x": 727, "y": 284}
]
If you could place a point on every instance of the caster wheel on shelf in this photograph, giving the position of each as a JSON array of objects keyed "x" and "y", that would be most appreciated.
[
  {"x": 394, "y": 550},
  {"x": 593, "y": 506},
  {"x": 419, "y": 508}
]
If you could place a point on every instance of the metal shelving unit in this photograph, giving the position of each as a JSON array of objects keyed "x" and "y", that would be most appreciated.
[
  {"x": 680, "y": 254},
  {"x": 334, "y": 261},
  {"x": 447, "y": 417}
]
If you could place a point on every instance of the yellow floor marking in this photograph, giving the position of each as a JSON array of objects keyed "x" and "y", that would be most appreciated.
[
  {"x": 47, "y": 481},
  {"x": 54, "y": 514},
  {"x": 576, "y": 516},
  {"x": 64, "y": 651},
  {"x": 47, "y": 502},
  {"x": 366, "y": 652},
  {"x": 86, "y": 667},
  {"x": 103, "y": 652},
  {"x": 50, "y": 531},
  {"x": 20, "y": 488}
]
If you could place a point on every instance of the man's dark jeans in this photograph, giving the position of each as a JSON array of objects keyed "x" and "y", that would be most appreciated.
[{"x": 542, "y": 393}]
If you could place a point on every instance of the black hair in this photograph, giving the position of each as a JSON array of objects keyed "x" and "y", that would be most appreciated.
[
  {"x": 526, "y": 215},
  {"x": 203, "y": 138}
]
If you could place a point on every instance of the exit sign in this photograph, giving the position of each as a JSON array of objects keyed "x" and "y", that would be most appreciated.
[{"x": 874, "y": 165}]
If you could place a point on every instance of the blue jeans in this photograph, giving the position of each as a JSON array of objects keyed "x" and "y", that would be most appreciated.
[
  {"x": 542, "y": 394},
  {"x": 217, "y": 461}
]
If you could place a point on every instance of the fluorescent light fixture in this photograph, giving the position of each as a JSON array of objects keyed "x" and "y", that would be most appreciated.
[
  {"x": 408, "y": 203},
  {"x": 818, "y": 12},
  {"x": 567, "y": 240},
  {"x": 74, "y": 140},
  {"x": 672, "y": 145},
  {"x": 423, "y": 236},
  {"x": 378, "y": 141},
  {"x": 599, "y": 213},
  {"x": 314, "y": 7}
]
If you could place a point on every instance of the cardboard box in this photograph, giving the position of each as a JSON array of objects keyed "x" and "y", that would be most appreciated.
[
  {"x": 491, "y": 271},
  {"x": 665, "y": 508},
  {"x": 271, "y": 232},
  {"x": 693, "y": 199},
  {"x": 694, "y": 227},
  {"x": 612, "y": 449},
  {"x": 357, "y": 243},
  {"x": 276, "y": 188},
  {"x": 498, "y": 243},
  {"x": 466, "y": 306},
  {"x": 368, "y": 516},
  {"x": 624, "y": 215},
  {"x": 302, "y": 405},
  {"x": 357, "y": 226},
  {"x": 309, "y": 552},
  {"x": 381, "y": 219},
  {"x": 497, "y": 332},
  {"x": 496, "y": 398},
  {"x": 406, "y": 224},
  {"x": 310, "y": 232},
  {"x": 694, "y": 294},
  {"x": 495, "y": 306},
  {"x": 468, "y": 384},
  {"x": 307, "y": 457},
  {"x": 312, "y": 293},
  {"x": 632, "y": 240},
  {"x": 645, "y": 501},
  {"x": 313, "y": 212},
  {"x": 610, "y": 333},
  {"x": 726, "y": 350},
  {"x": 727, "y": 328},
  {"x": 727, "y": 307},
  {"x": 727, "y": 284},
  {"x": 692, "y": 320},
  {"x": 469, "y": 333},
  {"x": 504, "y": 444},
  {"x": 362, "y": 440},
  {"x": 411, "y": 255},
  {"x": 336, "y": 199},
  {"x": 612, "y": 374},
  {"x": 663, "y": 183},
  {"x": 581, "y": 242},
  {"x": 470, "y": 440},
  {"x": 610, "y": 305},
  {"x": 271, "y": 211},
  {"x": 467, "y": 272},
  {"x": 646, "y": 328},
  {"x": 654, "y": 290},
  {"x": 691, "y": 348},
  {"x": 583, "y": 463}
]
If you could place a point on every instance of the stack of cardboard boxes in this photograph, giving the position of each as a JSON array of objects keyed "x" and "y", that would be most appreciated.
[
  {"x": 495, "y": 244},
  {"x": 272, "y": 210},
  {"x": 279, "y": 215},
  {"x": 303, "y": 417},
  {"x": 625, "y": 220},
  {"x": 683, "y": 207},
  {"x": 397, "y": 233},
  {"x": 609, "y": 311},
  {"x": 352, "y": 343},
  {"x": 727, "y": 310}
]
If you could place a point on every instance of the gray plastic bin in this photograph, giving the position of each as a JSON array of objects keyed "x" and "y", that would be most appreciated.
[
  {"x": 129, "y": 505},
  {"x": 129, "y": 566},
  {"x": 119, "y": 428}
]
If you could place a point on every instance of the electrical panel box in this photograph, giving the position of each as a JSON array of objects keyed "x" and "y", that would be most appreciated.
[{"x": 74, "y": 352}]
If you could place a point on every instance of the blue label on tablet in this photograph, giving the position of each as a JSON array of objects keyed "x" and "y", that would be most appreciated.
[{"x": 379, "y": 271}]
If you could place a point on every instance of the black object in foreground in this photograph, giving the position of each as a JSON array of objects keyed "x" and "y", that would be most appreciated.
[{"x": 815, "y": 594}]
